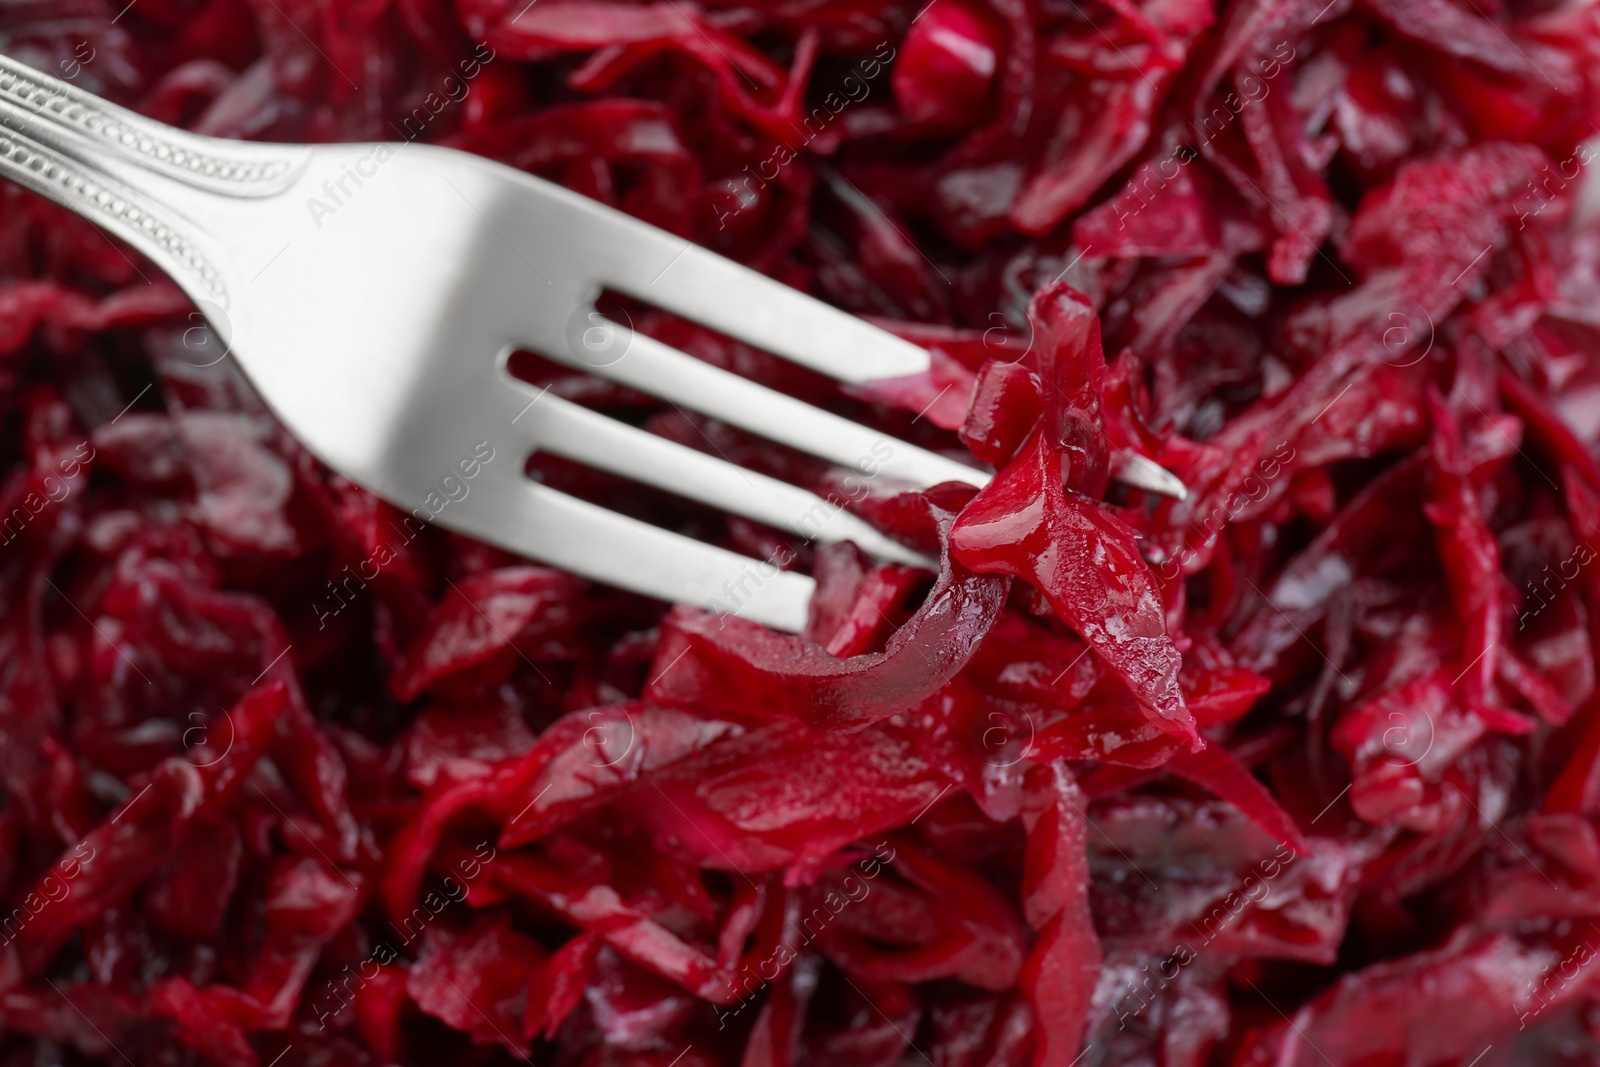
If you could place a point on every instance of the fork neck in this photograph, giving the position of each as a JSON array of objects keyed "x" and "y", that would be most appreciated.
[{"x": 148, "y": 183}]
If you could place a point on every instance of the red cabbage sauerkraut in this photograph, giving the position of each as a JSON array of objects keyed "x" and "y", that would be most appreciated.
[{"x": 1303, "y": 769}]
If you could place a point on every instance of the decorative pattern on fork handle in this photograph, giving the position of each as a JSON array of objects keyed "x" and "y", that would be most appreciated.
[
  {"x": 54, "y": 175},
  {"x": 223, "y": 167},
  {"x": 67, "y": 145}
]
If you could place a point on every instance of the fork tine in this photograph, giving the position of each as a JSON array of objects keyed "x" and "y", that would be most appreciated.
[
  {"x": 1130, "y": 468},
  {"x": 574, "y": 535},
  {"x": 727, "y": 296},
  {"x": 563, "y": 428},
  {"x": 696, "y": 283},
  {"x": 655, "y": 368}
]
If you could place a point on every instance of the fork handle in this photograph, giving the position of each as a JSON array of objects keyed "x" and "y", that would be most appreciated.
[{"x": 130, "y": 174}]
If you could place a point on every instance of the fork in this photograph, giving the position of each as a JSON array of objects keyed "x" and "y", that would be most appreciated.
[{"x": 373, "y": 294}]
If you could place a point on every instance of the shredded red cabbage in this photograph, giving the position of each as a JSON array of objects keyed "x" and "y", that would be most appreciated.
[{"x": 1303, "y": 769}]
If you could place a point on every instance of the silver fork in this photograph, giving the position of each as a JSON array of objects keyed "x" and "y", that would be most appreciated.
[{"x": 373, "y": 294}]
